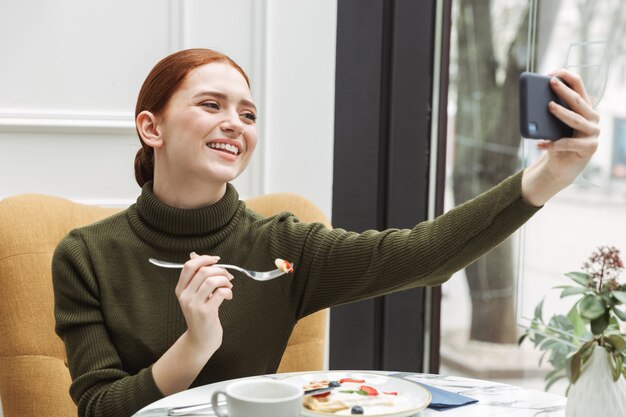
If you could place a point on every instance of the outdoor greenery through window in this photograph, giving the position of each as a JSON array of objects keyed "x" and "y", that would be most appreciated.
[{"x": 486, "y": 306}]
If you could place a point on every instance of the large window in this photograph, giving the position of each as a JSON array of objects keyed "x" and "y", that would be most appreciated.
[{"x": 484, "y": 306}]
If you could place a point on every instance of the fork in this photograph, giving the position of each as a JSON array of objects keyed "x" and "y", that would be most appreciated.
[{"x": 259, "y": 276}]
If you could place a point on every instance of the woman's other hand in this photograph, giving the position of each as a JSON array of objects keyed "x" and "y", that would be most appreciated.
[
  {"x": 201, "y": 289},
  {"x": 565, "y": 158}
]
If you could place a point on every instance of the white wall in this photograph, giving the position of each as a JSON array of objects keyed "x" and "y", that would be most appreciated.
[
  {"x": 300, "y": 103},
  {"x": 70, "y": 72}
]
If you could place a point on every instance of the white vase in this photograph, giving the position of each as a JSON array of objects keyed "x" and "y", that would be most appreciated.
[{"x": 595, "y": 393}]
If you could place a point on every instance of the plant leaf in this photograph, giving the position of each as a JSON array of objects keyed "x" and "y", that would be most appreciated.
[
  {"x": 600, "y": 324},
  {"x": 550, "y": 344},
  {"x": 539, "y": 311},
  {"x": 591, "y": 307},
  {"x": 617, "y": 342},
  {"x": 543, "y": 356},
  {"x": 620, "y": 295},
  {"x": 574, "y": 364},
  {"x": 577, "y": 322},
  {"x": 554, "y": 379},
  {"x": 539, "y": 338},
  {"x": 554, "y": 373},
  {"x": 619, "y": 313},
  {"x": 572, "y": 291},
  {"x": 561, "y": 322},
  {"x": 522, "y": 337},
  {"x": 586, "y": 350},
  {"x": 580, "y": 278},
  {"x": 616, "y": 362}
]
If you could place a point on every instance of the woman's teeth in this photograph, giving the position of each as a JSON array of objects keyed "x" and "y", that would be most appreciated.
[{"x": 224, "y": 147}]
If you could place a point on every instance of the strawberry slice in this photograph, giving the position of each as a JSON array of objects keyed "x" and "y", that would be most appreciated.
[
  {"x": 356, "y": 381},
  {"x": 368, "y": 390}
]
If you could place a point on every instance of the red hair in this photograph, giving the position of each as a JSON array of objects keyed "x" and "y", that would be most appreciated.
[{"x": 162, "y": 82}]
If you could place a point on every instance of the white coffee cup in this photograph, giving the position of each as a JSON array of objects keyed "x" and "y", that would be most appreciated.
[{"x": 259, "y": 398}]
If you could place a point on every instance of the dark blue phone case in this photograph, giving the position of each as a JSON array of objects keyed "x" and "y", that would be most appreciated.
[{"x": 536, "y": 121}]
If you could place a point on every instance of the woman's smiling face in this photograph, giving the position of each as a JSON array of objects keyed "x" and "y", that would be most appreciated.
[{"x": 208, "y": 127}]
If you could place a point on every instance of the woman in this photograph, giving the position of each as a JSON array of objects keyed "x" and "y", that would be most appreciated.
[{"x": 134, "y": 332}]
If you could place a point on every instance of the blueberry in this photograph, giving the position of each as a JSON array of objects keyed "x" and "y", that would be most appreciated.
[
  {"x": 357, "y": 409},
  {"x": 334, "y": 384}
]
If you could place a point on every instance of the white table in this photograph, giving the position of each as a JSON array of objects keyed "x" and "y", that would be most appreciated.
[{"x": 494, "y": 399}]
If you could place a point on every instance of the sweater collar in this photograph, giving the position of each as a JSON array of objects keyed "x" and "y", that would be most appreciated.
[{"x": 177, "y": 221}]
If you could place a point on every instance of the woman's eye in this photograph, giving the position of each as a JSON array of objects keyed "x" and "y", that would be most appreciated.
[
  {"x": 211, "y": 105},
  {"x": 249, "y": 116}
]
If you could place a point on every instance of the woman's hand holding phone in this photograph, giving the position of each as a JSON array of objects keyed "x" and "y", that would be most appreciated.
[{"x": 565, "y": 158}]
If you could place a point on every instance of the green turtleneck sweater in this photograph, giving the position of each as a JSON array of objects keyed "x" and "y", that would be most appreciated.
[{"x": 117, "y": 314}]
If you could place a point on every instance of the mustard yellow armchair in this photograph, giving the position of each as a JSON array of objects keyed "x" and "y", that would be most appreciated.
[{"x": 34, "y": 378}]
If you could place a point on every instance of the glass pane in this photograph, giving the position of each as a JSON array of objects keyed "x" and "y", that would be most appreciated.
[{"x": 485, "y": 306}]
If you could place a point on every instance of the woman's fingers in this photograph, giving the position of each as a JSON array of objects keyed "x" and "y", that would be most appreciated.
[
  {"x": 191, "y": 267},
  {"x": 582, "y": 146},
  {"x": 199, "y": 281},
  {"x": 218, "y": 297},
  {"x": 574, "y": 81},
  {"x": 584, "y": 126},
  {"x": 575, "y": 96},
  {"x": 206, "y": 273},
  {"x": 580, "y": 116},
  {"x": 200, "y": 290},
  {"x": 212, "y": 285}
]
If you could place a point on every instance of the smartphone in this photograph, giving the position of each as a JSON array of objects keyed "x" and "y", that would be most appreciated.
[{"x": 536, "y": 121}]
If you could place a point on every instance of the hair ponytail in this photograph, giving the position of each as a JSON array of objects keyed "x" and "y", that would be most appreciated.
[{"x": 144, "y": 165}]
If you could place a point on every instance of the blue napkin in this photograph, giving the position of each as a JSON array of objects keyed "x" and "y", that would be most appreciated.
[{"x": 443, "y": 399}]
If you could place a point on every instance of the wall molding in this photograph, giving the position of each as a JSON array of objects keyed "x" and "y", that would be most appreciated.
[
  {"x": 258, "y": 73},
  {"x": 66, "y": 121},
  {"x": 176, "y": 33}
]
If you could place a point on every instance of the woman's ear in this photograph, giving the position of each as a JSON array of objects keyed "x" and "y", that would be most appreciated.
[{"x": 147, "y": 126}]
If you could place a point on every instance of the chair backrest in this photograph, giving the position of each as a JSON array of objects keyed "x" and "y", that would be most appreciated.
[
  {"x": 34, "y": 378},
  {"x": 307, "y": 344}
]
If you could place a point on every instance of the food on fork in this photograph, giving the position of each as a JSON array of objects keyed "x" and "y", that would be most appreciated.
[{"x": 283, "y": 265}]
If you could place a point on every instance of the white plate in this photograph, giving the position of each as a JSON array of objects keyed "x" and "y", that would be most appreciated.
[{"x": 411, "y": 398}]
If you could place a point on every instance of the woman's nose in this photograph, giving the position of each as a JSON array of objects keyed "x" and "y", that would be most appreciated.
[{"x": 233, "y": 124}]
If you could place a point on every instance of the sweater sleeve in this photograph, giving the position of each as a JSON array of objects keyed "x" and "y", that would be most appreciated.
[
  {"x": 100, "y": 386},
  {"x": 336, "y": 266}
]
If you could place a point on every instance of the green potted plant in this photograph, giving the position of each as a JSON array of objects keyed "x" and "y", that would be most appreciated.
[{"x": 587, "y": 345}]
